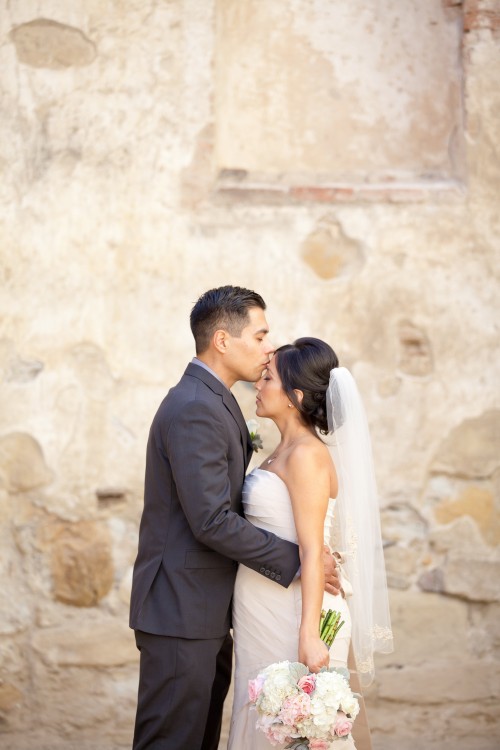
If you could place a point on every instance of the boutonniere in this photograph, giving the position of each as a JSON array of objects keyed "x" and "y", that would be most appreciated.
[{"x": 253, "y": 429}]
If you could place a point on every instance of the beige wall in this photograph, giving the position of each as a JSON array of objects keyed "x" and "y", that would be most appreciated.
[{"x": 152, "y": 149}]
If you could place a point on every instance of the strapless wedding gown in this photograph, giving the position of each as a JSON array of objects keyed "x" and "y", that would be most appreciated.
[{"x": 266, "y": 616}]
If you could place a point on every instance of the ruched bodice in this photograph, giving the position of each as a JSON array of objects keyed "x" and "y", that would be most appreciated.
[
  {"x": 266, "y": 616},
  {"x": 266, "y": 503}
]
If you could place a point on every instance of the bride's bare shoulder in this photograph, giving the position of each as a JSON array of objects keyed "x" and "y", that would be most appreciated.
[
  {"x": 311, "y": 462},
  {"x": 310, "y": 454}
]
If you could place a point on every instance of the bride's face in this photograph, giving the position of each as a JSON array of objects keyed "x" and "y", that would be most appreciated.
[{"x": 271, "y": 398}]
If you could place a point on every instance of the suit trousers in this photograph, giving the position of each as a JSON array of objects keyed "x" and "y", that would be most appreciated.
[{"x": 182, "y": 686}]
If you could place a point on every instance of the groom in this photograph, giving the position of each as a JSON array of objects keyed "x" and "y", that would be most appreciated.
[{"x": 193, "y": 534}]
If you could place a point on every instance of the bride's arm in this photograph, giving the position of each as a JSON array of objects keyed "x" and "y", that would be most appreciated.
[{"x": 308, "y": 480}]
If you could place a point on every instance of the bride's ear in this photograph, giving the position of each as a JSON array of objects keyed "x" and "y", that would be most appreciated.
[{"x": 299, "y": 394}]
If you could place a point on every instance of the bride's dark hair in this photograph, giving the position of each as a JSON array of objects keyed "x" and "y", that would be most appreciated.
[{"x": 305, "y": 365}]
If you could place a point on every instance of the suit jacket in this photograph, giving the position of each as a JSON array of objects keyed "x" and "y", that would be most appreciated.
[{"x": 192, "y": 532}]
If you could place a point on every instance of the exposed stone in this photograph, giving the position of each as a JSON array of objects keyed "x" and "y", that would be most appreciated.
[
  {"x": 81, "y": 562},
  {"x": 415, "y": 353},
  {"x": 481, "y": 14},
  {"x": 22, "y": 370},
  {"x": 331, "y": 253},
  {"x": 198, "y": 177},
  {"x": 432, "y": 581},
  {"x": 471, "y": 577},
  {"x": 47, "y": 44},
  {"x": 323, "y": 130},
  {"x": 22, "y": 464},
  {"x": 471, "y": 448},
  {"x": 10, "y": 696},
  {"x": 442, "y": 681},
  {"x": 425, "y": 627},
  {"x": 15, "y": 619},
  {"x": 110, "y": 496},
  {"x": 486, "y": 626},
  {"x": 389, "y": 386},
  {"x": 126, "y": 587},
  {"x": 95, "y": 704},
  {"x": 99, "y": 643},
  {"x": 400, "y": 565},
  {"x": 478, "y": 504},
  {"x": 402, "y": 523},
  {"x": 124, "y": 537},
  {"x": 461, "y": 536},
  {"x": 13, "y": 656},
  {"x": 93, "y": 369},
  {"x": 396, "y": 725}
]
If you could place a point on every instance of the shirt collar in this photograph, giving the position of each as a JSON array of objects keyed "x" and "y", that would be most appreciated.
[{"x": 196, "y": 361}]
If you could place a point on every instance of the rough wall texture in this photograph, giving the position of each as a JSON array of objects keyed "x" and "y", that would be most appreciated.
[{"x": 130, "y": 184}]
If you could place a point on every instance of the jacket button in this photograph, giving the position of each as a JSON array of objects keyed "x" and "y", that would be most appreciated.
[
  {"x": 273, "y": 574},
  {"x": 268, "y": 572},
  {"x": 262, "y": 570},
  {"x": 278, "y": 578}
]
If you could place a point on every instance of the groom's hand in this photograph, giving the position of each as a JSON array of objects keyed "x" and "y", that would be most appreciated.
[{"x": 332, "y": 582}]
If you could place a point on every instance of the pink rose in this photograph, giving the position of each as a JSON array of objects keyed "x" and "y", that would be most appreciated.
[
  {"x": 295, "y": 708},
  {"x": 342, "y": 725},
  {"x": 318, "y": 745},
  {"x": 307, "y": 683},
  {"x": 255, "y": 688}
]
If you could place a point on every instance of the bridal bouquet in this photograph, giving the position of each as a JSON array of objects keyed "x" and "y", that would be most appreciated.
[{"x": 309, "y": 711}]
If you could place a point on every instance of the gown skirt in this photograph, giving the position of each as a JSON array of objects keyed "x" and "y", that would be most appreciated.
[{"x": 266, "y": 616}]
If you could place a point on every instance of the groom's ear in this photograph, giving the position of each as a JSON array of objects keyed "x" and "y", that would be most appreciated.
[{"x": 219, "y": 340}]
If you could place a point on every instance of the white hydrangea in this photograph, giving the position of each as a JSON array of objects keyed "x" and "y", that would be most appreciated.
[
  {"x": 308, "y": 728},
  {"x": 332, "y": 693},
  {"x": 278, "y": 685}
]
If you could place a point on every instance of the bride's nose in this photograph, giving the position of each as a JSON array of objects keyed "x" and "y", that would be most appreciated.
[{"x": 256, "y": 385}]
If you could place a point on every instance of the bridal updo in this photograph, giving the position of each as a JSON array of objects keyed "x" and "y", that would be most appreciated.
[{"x": 305, "y": 365}]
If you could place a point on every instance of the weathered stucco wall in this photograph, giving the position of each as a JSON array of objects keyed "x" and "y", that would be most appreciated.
[{"x": 138, "y": 170}]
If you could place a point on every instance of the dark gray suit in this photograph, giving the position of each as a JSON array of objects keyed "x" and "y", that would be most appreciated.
[{"x": 192, "y": 532}]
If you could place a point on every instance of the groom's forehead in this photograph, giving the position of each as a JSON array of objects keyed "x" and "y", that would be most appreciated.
[{"x": 257, "y": 323}]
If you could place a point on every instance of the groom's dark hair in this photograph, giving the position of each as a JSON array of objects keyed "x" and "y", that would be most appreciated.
[{"x": 224, "y": 307}]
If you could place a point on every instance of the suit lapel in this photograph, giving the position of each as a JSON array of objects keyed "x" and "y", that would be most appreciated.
[
  {"x": 234, "y": 408},
  {"x": 229, "y": 402}
]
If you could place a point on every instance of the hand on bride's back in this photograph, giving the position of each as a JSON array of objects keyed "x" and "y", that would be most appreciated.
[{"x": 313, "y": 653}]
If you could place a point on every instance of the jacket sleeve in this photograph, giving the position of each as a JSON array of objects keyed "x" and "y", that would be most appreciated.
[{"x": 197, "y": 448}]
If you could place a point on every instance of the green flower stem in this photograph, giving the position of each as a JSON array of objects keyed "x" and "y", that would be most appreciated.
[{"x": 329, "y": 626}]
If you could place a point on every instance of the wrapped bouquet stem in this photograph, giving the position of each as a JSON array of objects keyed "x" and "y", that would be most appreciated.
[{"x": 329, "y": 625}]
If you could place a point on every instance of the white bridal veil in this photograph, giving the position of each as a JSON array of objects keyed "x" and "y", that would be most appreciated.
[{"x": 356, "y": 530}]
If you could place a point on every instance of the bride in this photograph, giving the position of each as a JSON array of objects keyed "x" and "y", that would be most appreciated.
[{"x": 291, "y": 494}]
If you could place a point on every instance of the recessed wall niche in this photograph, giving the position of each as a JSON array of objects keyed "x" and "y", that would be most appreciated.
[{"x": 311, "y": 94}]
